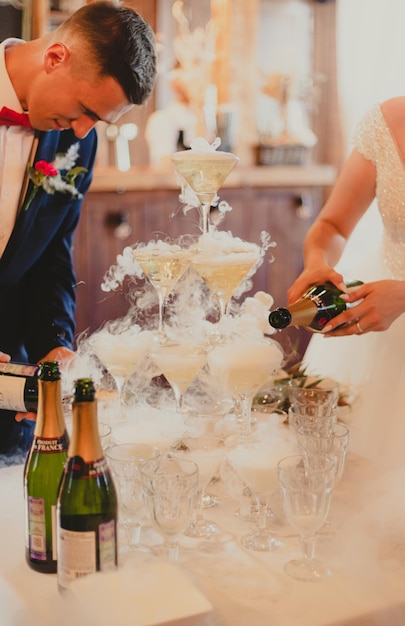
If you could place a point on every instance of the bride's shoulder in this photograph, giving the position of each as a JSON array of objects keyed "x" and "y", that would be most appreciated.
[{"x": 394, "y": 110}]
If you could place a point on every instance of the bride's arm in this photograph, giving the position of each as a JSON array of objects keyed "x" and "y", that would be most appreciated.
[{"x": 324, "y": 243}]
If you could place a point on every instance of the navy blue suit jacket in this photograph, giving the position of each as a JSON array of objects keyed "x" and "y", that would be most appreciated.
[{"x": 37, "y": 280}]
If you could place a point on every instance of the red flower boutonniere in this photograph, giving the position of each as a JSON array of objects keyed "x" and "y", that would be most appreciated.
[{"x": 59, "y": 175}]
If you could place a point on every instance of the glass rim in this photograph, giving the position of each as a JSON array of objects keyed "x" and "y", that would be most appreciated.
[{"x": 127, "y": 446}]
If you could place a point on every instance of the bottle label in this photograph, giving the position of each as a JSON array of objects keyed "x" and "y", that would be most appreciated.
[
  {"x": 54, "y": 532},
  {"x": 107, "y": 545},
  {"x": 37, "y": 528},
  {"x": 49, "y": 445},
  {"x": 76, "y": 555},
  {"x": 78, "y": 468},
  {"x": 316, "y": 298},
  {"x": 77, "y": 552},
  {"x": 12, "y": 393},
  {"x": 18, "y": 369}
]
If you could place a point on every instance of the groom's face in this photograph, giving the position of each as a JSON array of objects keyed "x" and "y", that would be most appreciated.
[{"x": 61, "y": 98}]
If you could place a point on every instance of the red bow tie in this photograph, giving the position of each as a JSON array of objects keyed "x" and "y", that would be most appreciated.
[{"x": 8, "y": 117}]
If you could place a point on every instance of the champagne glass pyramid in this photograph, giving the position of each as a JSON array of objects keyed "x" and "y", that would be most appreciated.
[
  {"x": 163, "y": 263},
  {"x": 204, "y": 170}
]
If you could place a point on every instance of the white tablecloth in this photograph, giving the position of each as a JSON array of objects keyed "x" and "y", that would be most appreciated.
[{"x": 366, "y": 552}]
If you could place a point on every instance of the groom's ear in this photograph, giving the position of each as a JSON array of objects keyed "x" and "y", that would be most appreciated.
[{"x": 56, "y": 55}]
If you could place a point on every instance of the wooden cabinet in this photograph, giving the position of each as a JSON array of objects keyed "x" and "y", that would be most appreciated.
[{"x": 278, "y": 211}]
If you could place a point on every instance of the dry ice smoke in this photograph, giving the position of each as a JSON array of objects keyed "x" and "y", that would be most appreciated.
[
  {"x": 126, "y": 265},
  {"x": 215, "y": 242},
  {"x": 190, "y": 314}
]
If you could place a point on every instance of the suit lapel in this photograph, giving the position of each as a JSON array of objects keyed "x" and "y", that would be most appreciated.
[
  {"x": 46, "y": 150},
  {"x": 31, "y": 160}
]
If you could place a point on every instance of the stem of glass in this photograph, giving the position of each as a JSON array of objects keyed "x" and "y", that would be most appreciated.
[
  {"x": 308, "y": 547},
  {"x": 246, "y": 411},
  {"x": 179, "y": 400},
  {"x": 133, "y": 533},
  {"x": 119, "y": 382},
  {"x": 198, "y": 514},
  {"x": 262, "y": 512},
  {"x": 172, "y": 548},
  {"x": 222, "y": 307},
  {"x": 161, "y": 300},
  {"x": 205, "y": 216}
]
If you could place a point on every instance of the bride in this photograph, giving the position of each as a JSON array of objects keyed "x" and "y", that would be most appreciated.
[{"x": 368, "y": 353}]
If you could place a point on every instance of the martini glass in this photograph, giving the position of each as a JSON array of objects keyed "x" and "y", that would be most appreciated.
[
  {"x": 122, "y": 353},
  {"x": 204, "y": 172},
  {"x": 243, "y": 365},
  {"x": 163, "y": 263},
  {"x": 224, "y": 268},
  {"x": 180, "y": 364}
]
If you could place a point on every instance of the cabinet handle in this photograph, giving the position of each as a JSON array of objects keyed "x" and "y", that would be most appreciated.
[
  {"x": 303, "y": 207},
  {"x": 119, "y": 223}
]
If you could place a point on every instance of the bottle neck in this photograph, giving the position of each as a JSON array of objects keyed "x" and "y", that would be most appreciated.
[
  {"x": 50, "y": 422},
  {"x": 85, "y": 439},
  {"x": 302, "y": 312}
]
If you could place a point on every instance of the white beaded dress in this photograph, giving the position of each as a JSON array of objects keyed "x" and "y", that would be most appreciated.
[{"x": 372, "y": 365}]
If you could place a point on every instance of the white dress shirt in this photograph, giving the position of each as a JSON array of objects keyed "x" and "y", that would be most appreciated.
[{"x": 15, "y": 145}]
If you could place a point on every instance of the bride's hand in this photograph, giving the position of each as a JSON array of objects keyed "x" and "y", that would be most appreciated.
[
  {"x": 313, "y": 276},
  {"x": 381, "y": 303}
]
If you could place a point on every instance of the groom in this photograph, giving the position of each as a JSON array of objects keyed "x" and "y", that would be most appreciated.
[{"x": 95, "y": 66}]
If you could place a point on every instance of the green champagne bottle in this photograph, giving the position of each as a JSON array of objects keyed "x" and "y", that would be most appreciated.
[
  {"x": 318, "y": 305},
  {"x": 43, "y": 470},
  {"x": 87, "y": 500}
]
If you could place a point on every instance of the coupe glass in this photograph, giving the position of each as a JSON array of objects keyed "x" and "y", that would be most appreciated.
[
  {"x": 204, "y": 172},
  {"x": 170, "y": 487},
  {"x": 180, "y": 364},
  {"x": 121, "y": 353},
  {"x": 243, "y": 365},
  {"x": 207, "y": 452},
  {"x": 223, "y": 262},
  {"x": 125, "y": 460},
  {"x": 163, "y": 263},
  {"x": 306, "y": 492}
]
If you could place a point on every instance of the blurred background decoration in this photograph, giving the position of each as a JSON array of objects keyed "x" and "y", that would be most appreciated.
[
  {"x": 191, "y": 111},
  {"x": 209, "y": 56},
  {"x": 11, "y": 13},
  {"x": 285, "y": 136}
]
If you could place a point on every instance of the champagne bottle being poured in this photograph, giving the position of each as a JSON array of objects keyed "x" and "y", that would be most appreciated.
[{"x": 318, "y": 305}]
